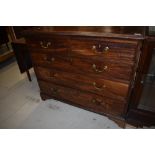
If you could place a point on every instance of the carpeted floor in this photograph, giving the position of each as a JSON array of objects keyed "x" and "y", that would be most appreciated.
[{"x": 21, "y": 106}]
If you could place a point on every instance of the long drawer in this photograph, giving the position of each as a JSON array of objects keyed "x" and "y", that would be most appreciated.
[
  {"x": 87, "y": 100},
  {"x": 81, "y": 42},
  {"x": 128, "y": 57},
  {"x": 84, "y": 47},
  {"x": 100, "y": 86},
  {"x": 104, "y": 69}
]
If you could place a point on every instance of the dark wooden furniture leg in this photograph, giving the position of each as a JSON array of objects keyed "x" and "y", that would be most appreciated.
[{"x": 28, "y": 75}]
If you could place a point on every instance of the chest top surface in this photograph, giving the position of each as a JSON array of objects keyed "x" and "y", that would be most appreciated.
[{"x": 126, "y": 32}]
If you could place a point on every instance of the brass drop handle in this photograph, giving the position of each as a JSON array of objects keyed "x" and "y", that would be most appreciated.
[
  {"x": 45, "y": 45},
  {"x": 105, "y": 49},
  {"x": 98, "y": 101},
  {"x": 94, "y": 48},
  {"x": 55, "y": 91},
  {"x": 97, "y": 70},
  {"x": 99, "y": 88}
]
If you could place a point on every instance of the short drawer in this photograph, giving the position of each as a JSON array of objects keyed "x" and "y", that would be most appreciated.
[
  {"x": 99, "y": 44},
  {"x": 87, "y": 100},
  {"x": 100, "y": 86},
  {"x": 105, "y": 69},
  {"x": 47, "y": 43},
  {"x": 107, "y": 49}
]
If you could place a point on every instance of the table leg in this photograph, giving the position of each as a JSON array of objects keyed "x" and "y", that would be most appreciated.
[{"x": 28, "y": 75}]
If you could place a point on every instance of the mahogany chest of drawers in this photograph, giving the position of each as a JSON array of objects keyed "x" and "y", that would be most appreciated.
[{"x": 90, "y": 67}]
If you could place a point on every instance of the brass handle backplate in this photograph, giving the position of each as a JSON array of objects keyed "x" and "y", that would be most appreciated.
[
  {"x": 45, "y": 45},
  {"x": 98, "y": 49},
  {"x": 99, "y": 88},
  {"x": 97, "y": 70},
  {"x": 98, "y": 101},
  {"x": 106, "y": 49}
]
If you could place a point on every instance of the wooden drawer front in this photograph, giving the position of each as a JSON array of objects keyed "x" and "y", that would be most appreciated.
[
  {"x": 50, "y": 60},
  {"x": 101, "y": 43},
  {"x": 109, "y": 49},
  {"x": 91, "y": 101},
  {"x": 128, "y": 57},
  {"x": 50, "y": 52},
  {"x": 47, "y": 43},
  {"x": 104, "y": 69},
  {"x": 115, "y": 50},
  {"x": 110, "y": 89}
]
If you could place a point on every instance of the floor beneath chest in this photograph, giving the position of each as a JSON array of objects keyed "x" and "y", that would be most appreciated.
[{"x": 21, "y": 106}]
